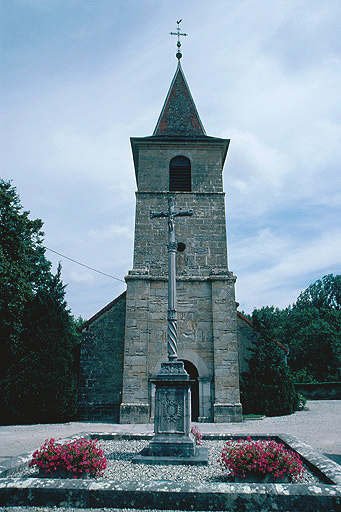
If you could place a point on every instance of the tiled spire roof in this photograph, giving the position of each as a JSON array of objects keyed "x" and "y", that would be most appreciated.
[{"x": 179, "y": 117}]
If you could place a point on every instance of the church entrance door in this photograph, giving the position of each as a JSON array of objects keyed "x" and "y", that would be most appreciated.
[{"x": 193, "y": 375}]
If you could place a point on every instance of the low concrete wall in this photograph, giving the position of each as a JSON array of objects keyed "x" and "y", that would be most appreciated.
[
  {"x": 320, "y": 391},
  {"x": 172, "y": 495}
]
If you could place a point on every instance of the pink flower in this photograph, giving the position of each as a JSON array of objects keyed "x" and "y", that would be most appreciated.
[
  {"x": 71, "y": 456},
  {"x": 260, "y": 457}
]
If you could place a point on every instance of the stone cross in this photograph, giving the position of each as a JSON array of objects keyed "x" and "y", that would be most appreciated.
[{"x": 172, "y": 246}]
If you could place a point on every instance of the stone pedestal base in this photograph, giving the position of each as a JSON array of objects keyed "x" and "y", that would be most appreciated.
[
  {"x": 172, "y": 439},
  {"x": 227, "y": 413},
  {"x": 200, "y": 458},
  {"x": 171, "y": 445},
  {"x": 134, "y": 413}
]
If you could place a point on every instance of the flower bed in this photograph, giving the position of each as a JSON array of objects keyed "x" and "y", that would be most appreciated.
[
  {"x": 120, "y": 468},
  {"x": 260, "y": 460},
  {"x": 73, "y": 459}
]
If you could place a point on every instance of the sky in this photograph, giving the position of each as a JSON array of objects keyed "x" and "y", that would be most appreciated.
[{"x": 80, "y": 77}]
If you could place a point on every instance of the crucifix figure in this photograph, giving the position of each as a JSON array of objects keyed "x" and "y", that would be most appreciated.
[
  {"x": 178, "y": 44},
  {"x": 172, "y": 246}
]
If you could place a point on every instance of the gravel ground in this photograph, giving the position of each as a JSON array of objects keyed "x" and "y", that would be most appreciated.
[
  {"x": 119, "y": 455},
  {"x": 121, "y": 469},
  {"x": 318, "y": 426}
]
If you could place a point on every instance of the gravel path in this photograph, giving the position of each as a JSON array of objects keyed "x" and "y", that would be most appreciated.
[{"x": 318, "y": 426}]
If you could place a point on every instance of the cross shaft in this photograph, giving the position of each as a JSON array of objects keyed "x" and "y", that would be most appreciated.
[{"x": 172, "y": 312}]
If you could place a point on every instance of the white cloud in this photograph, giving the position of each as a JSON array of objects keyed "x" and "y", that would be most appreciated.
[
  {"x": 293, "y": 261},
  {"x": 81, "y": 277},
  {"x": 113, "y": 231},
  {"x": 264, "y": 247},
  {"x": 265, "y": 75}
]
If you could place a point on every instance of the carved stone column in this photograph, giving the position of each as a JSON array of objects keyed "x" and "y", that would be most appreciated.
[
  {"x": 172, "y": 412},
  {"x": 173, "y": 442}
]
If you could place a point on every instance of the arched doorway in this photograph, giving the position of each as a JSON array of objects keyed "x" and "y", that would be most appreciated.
[{"x": 194, "y": 376}]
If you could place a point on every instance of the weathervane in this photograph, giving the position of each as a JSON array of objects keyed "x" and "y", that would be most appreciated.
[{"x": 178, "y": 44}]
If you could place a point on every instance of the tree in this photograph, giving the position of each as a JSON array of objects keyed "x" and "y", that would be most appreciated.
[
  {"x": 37, "y": 332},
  {"x": 313, "y": 330},
  {"x": 267, "y": 387},
  {"x": 23, "y": 265},
  {"x": 324, "y": 294}
]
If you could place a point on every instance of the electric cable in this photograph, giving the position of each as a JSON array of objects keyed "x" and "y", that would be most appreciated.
[{"x": 83, "y": 265}]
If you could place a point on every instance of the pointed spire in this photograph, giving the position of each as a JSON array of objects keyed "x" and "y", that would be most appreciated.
[{"x": 179, "y": 116}]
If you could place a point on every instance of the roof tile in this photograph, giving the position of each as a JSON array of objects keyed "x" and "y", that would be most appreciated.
[{"x": 179, "y": 116}]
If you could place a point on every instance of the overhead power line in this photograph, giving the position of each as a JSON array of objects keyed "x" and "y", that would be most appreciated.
[{"x": 83, "y": 265}]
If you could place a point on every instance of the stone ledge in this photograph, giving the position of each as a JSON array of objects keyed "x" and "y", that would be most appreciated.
[
  {"x": 184, "y": 193},
  {"x": 181, "y": 278},
  {"x": 163, "y": 494}
]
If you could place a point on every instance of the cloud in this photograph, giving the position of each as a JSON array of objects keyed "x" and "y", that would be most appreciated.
[
  {"x": 81, "y": 277},
  {"x": 112, "y": 232},
  {"x": 81, "y": 79},
  {"x": 280, "y": 268}
]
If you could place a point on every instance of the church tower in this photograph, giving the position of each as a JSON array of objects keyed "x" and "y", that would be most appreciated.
[{"x": 181, "y": 161}]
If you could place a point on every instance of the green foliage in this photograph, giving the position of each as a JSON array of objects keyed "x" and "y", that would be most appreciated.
[
  {"x": 267, "y": 387},
  {"x": 314, "y": 332},
  {"x": 311, "y": 328},
  {"x": 23, "y": 266},
  {"x": 303, "y": 375},
  {"x": 301, "y": 402},
  {"x": 324, "y": 294},
  {"x": 38, "y": 336}
]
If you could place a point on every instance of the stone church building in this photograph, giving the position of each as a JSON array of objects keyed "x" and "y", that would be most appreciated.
[{"x": 124, "y": 344}]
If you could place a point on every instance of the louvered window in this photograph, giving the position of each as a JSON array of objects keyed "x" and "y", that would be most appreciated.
[{"x": 180, "y": 174}]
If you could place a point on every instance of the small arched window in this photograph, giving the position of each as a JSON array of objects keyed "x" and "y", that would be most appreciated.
[{"x": 180, "y": 174}]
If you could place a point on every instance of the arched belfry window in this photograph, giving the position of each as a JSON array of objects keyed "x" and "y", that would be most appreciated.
[{"x": 180, "y": 174}]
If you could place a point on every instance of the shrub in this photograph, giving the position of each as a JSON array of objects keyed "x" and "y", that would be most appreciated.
[
  {"x": 267, "y": 387},
  {"x": 260, "y": 457},
  {"x": 301, "y": 402},
  {"x": 197, "y": 435},
  {"x": 75, "y": 458}
]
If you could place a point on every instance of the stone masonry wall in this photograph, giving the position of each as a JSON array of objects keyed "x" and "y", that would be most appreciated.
[
  {"x": 227, "y": 405},
  {"x": 202, "y": 313},
  {"x": 204, "y": 233},
  {"x": 205, "y": 158},
  {"x": 101, "y": 365}
]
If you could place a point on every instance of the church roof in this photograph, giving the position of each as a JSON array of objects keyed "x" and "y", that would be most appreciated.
[
  {"x": 179, "y": 116},
  {"x": 101, "y": 312}
]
